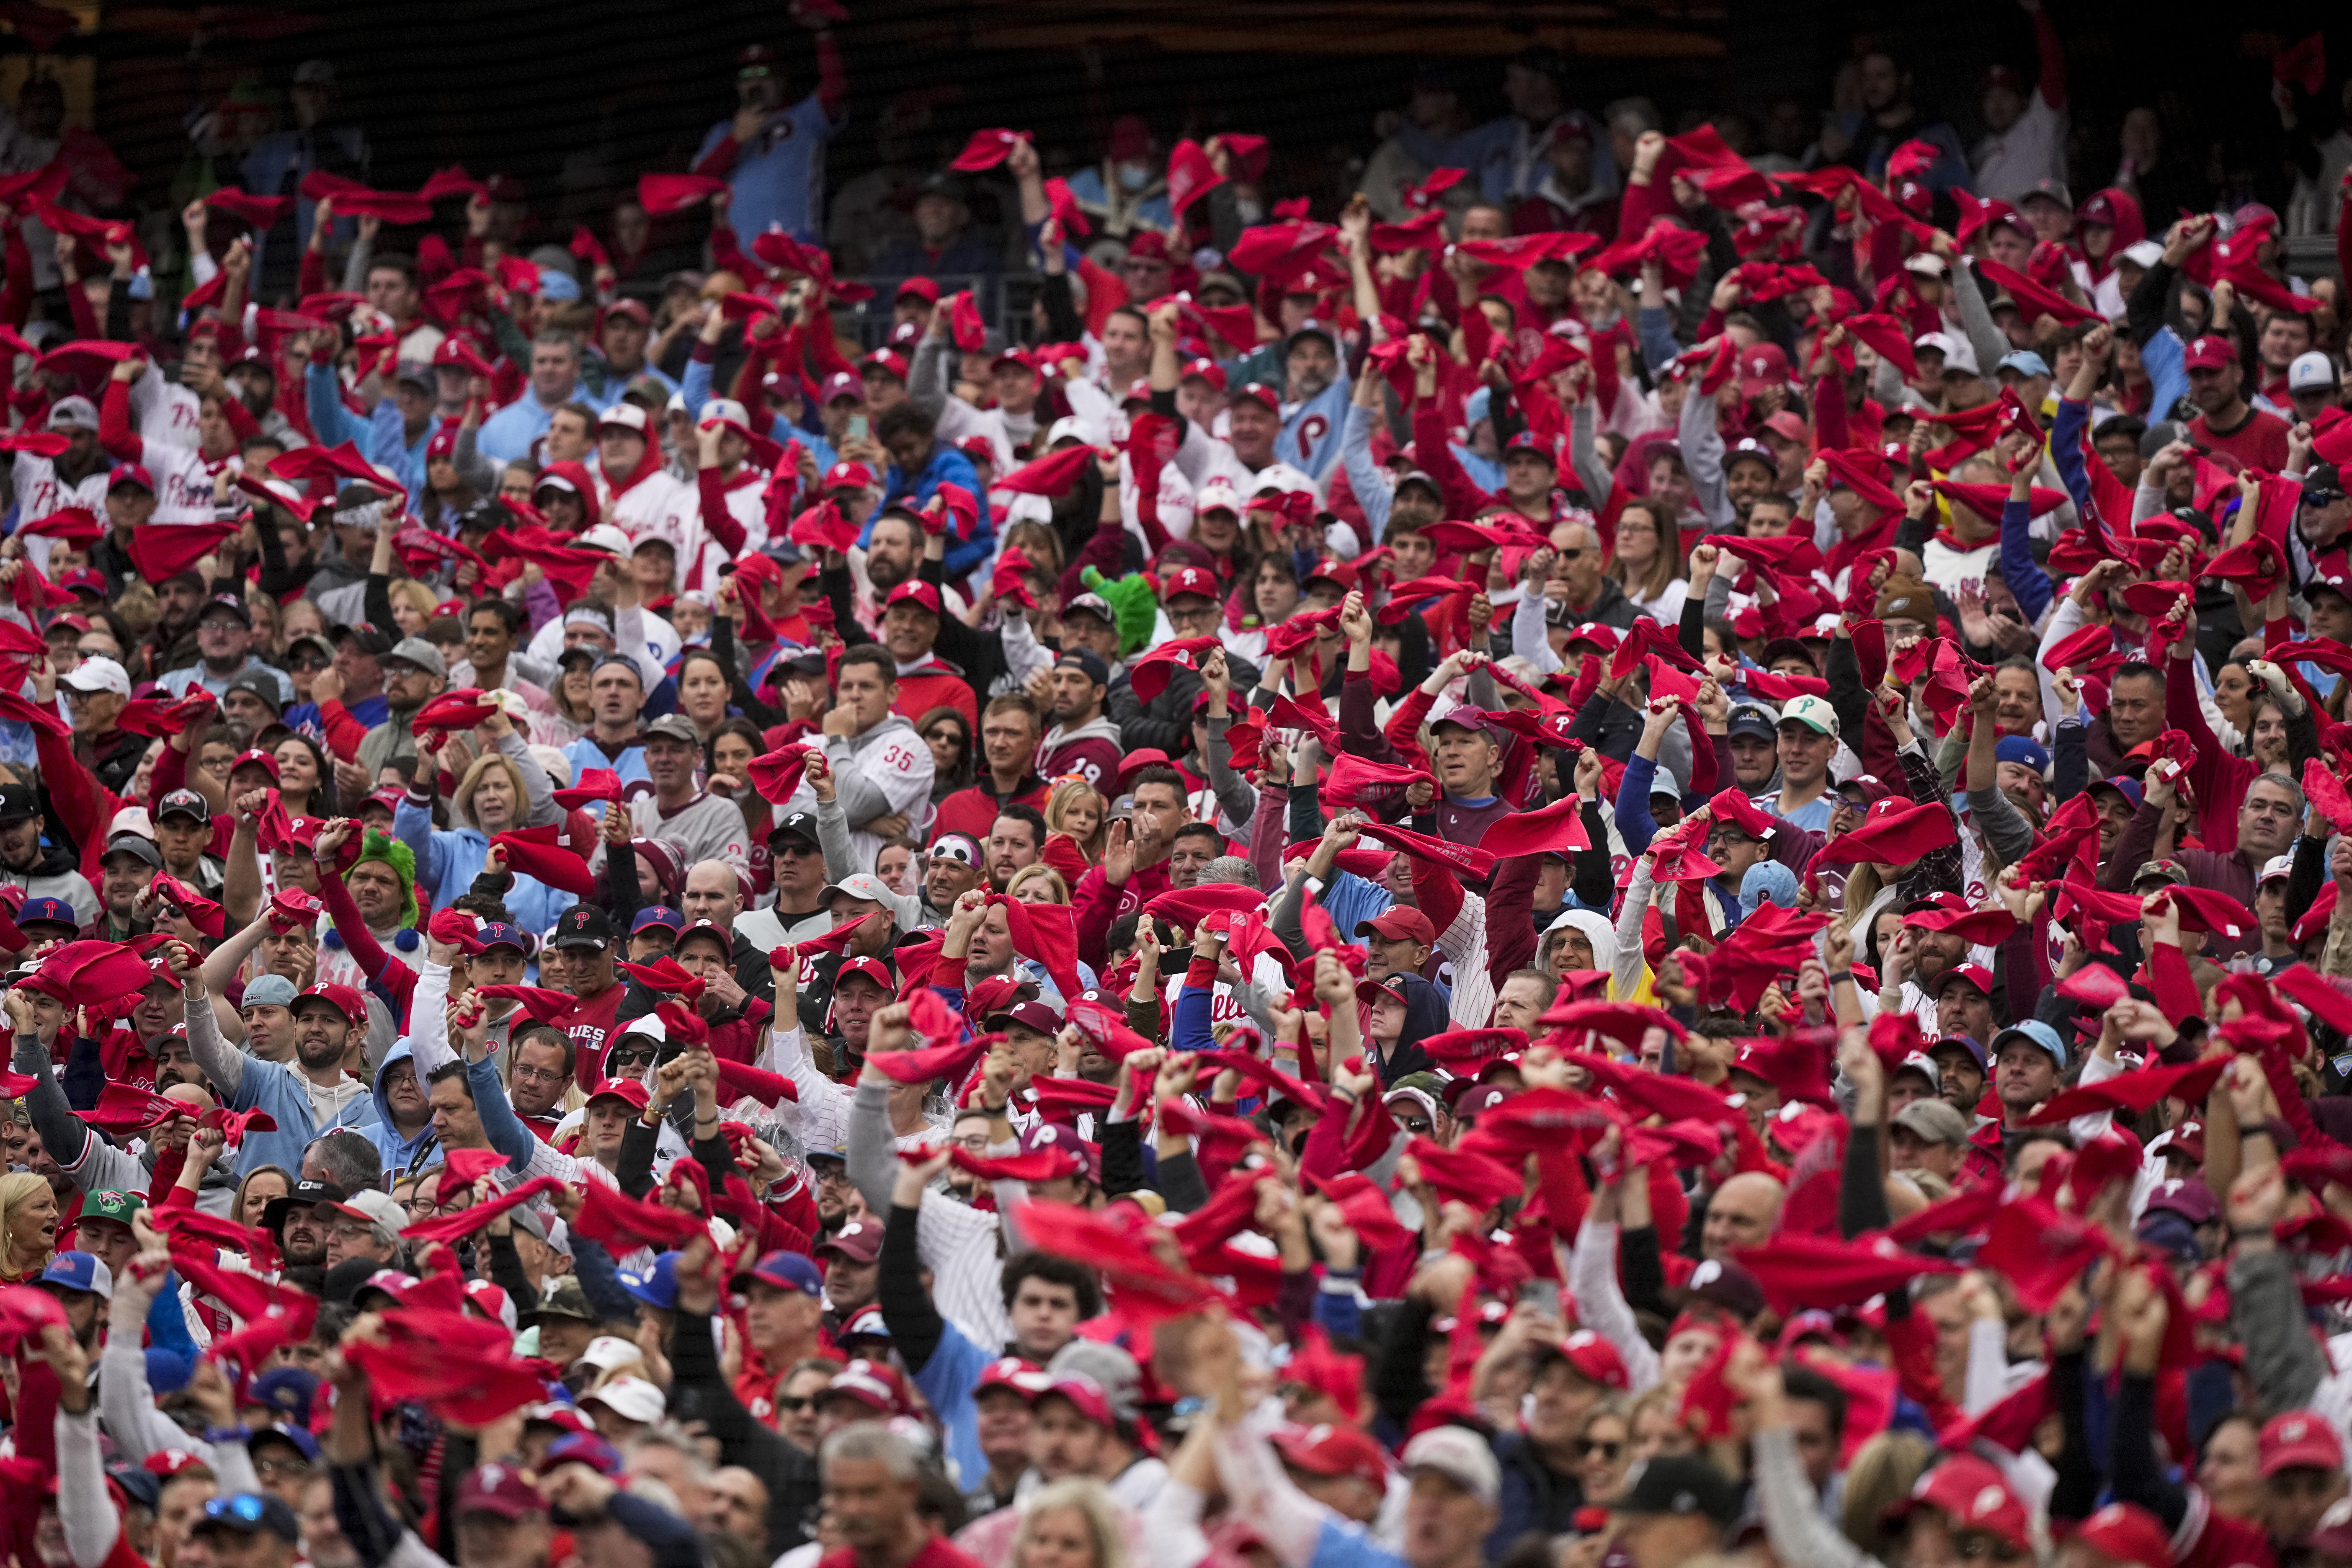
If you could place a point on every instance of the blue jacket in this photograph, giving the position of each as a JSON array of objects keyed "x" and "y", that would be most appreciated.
[
  {"x": 947, "y": 1381},
  {"x": 947, "y": 465},
  {"x": 448, "y": 860},
  {"x": 778, "y": 181},
  {"x": 380, "y": 436},
  {"x": 414, "y": 1153}
]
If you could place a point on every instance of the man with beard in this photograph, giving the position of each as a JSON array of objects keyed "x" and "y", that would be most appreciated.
[
  {"x": 894, "y": 552},
  {"x": 1084, "y": 741},
  {"x": 305, "y": 1099},
  {"x": 1015, "y": 842},
  {"x": 300, "y": 1221},
  {"x": 1913, "y": 970},
  {"x": 1314, "y": 403},
  {"x": 2225, "y": 421}
]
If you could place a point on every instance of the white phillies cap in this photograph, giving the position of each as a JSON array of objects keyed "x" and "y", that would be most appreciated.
[
  {"x": 604, "y": 536},
  {"x": 626, "y": 415},
  {"x": 2277, "y": 868},
  {"x": 1957, "y": 354},
  {"x": 2313, "y": 371},
  {"x": 99, "y": 674}
]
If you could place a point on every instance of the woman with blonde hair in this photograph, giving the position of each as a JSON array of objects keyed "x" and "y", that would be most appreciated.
[
  {"x": 499, "y": 792},
  {"x": 1076, "y": 808},
  {"x": 254, "y": 1193},
  {"x": 28, "y": 1227},
  {"x": 1072, "y": 1523},
  {"x": 1038, "y": 884},
  {"x": 412, "y": 604}
]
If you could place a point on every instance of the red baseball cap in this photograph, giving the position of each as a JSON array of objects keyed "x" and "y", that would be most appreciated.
[
  {"x": 1206, "y": 368},
  {"x": 2299, "y": 1439},
  {"x": 848, "y": 477},
  {"x": 1333, "y": 1450},
  {"x": 871, "y": 1383},
  {"x": 1397, "y": 922},
  {"x": 921, "y": 287},
  {"x": 1975, "y": 975},
  {"x": 1974, "y": 1496},
  {"x": 2208, "y": 354},
  {"x": 341, "y": 998},
  {"x": 2126, "y": 1533},
  {"x": 1605, "y": 639},
  {"x": 1331, "y": 571},
  {"x": 1259, "y": 393},
  {"x": 979, "y": 448},
  {"x": 888, "y": 360},
  {"x": 1085, "y": 1393},
  {"x": 629, "y": 1091},
  {"x": 925, "y": 595},
  {"x": 872, "y": 968},
  {"x": 1024, "y": 1378},
  {"x": 1189, "y": 579},
  {"x": 1595, "y": 1360}
]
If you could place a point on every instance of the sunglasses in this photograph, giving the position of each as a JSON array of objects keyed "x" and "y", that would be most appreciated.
[
  {"x": 793, "y": 1403},
  {"x": 1588, "y": 1446},
  {"x": 245, "y": 1508}
]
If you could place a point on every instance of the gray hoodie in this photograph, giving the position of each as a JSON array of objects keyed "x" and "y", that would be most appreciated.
[{"x": 885, "y": 772}]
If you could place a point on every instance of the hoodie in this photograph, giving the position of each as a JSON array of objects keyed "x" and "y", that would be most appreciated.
[
  {"x": 1092, "y": 751},
  {"x": 54, "y": 876},
  {"x": 1425, "y": 1014},
  {"x": 400, "y": 1154}
]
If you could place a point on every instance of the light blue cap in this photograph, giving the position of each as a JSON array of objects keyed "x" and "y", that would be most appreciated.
[
  {"x": 558, "y": 286},
  {"x": 1475, "y": 407},
  {"x": 2025, "y": 361},
  {"x": 2034, "y": 1031}
]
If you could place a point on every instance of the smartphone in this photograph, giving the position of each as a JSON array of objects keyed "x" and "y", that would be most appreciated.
[
  {"x": 1543, "y": 1295},
  {"x": 857, "y": 426}
]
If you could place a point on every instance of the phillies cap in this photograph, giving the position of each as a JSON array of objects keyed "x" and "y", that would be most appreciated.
[
  {"x": 1975, "y": 975},
  {"x": 1462, "y": 1456},
  {"x": 1021, "y": 1377},
  {"x": 130, "y": 474},
  {"x": 924, "y": 595},
  {"x": 889, "y": 362},
  {"x": 1533, "y": 444},
  {"x": 1204, "y": 369},
  {"x": 1605, "y": 639},
  {"x": 848, "y": 477},
  {"x": 2298, "y": 1440},
  {"x": 667, "y": 919},
  {"x": 583, "y": 926},
  {"x": 1191, "y": 580},
  {"x": 1594, "y": 1359},
  {"x": 859, "y": 1241},
  {"x": 624, "y": 416},
  {"x": 785, "y": 1271},
  {"x": 630, "y": 1091},
  {"x": 2313, "y": 371},
  {"x": 183, "y": 803},
  {"x": 872, "y": 969},
  {"x": 1334, "y": 1450},
  {"x": 2126, "y": 1533},
  {"x": 841, "y": 385},
  {"x": 1085, "y": 1395},
  {"x": 2208, "y": 354},
  {"x": 921, "y": 287},
  {"x": 46, "y": 911},
  {"x": 870, "y": 1383},
  {"x": 1259, "y": 393},
  {"x": 98, "y": 674},
  {"x": 1973, "y": 1495},
  {"x": 80, "y": 1271},
  {"x": 341, "y": 998},
  {"x": 500, "y": 1491},
  {"x": 1398, "y": 922}
]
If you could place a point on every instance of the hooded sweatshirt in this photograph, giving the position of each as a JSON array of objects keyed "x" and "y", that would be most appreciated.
[
  {"x": 1091, "y": 750},
  {"x": 54, "y": 876},
  {"x": 400, "y": 1153},
  {"x": 885, "y": 772},
  {"x": 1425, "y": 1014}
]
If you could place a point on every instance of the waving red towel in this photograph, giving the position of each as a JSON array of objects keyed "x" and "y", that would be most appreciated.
[
  {"x": 1896, "y": 836},
  {"x": 540, "y": 852},
  {"x": 153, "y": 716},
  {"x": 1801, "y": 1272},
  {"x": 1054, "y": 475},
  {"x": 161, "y": 550}
]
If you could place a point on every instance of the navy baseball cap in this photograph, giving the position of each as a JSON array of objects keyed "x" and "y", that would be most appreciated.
[
  {"x": 657, "y": 1286},
  {"x": 249, "y": 1514},
  {"x": 497, "y": 934},
  {"x": 2022, "y": 749},
  {"x": 47, "y": 911},
  {"x": 285, "y": 1432},
  {"x": 785, "y": 1270},
  {"x": 667, "y": 919}
]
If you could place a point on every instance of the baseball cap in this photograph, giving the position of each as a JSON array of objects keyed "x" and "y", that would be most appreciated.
[
  {"x": 98, "y": 673},
  {"x": 1189, "y": 579},
  {"x": 2313, "y": 371},
  {"x": 1957, "y": 354},
  {"x": 264, "y": 990},
  {"x": 630, "y": 1398},
  {"x": 2024, "y": 750},
  {"x": 1934, "y": 1122},
  {"x": 799, "y": 824},
  {"x": 674, "y": 727},
  {"x": 249, "y": 1514},
  {"x": 1813, "y": 712},
  {"x": 1333, "y": 1450},
  {"x": 583, "y": 926},
  {"x": 2208, "y": 354},
  {"x": 227, "y": 605},
  {"x": 2172, "y": 873},
  {"x": 115, "y": 1207},
  {"x": 1218, "y": 495},
  {"x": 137, "y": 845},
  {"x": 1093, "y": 605},
  {"x": 670, "y": 920},
  {"x": 2048, "y": 190},
  {"x": 872, "y": 969},
  {"x": 420, "y": 653},
  {"x": 80, "y": 1271},
  {"x": 1754, "y": 720},
  {"x": 785, "y": 1271},
  {"x": 130, "y": 474},
  {"x": 657, "y": 1286},
  {"x": 183, "y": 803},
  {"x": 2298, "y": 1439},
  {"x": 856, "y": 1242},
  {"x": 922, "y": 595},
  {"x": 1975, "y": 975},
  {"x": 1681, "y": 1484},
  {"x": 306, "y": 1194},
  {"x": 75, "y": 412},
  {"x": 1594, "y": 1359},
  {"x": 500, "y": 1491},
  {"x": 2277, "y": 868},
  {"x": 1973, "y": 1495},
  {"x": 2034, "y": 1031},
  {"x": 1398, "y": 922},
  {"x": 1083, "y": 660},
  {"x": 2025, "y": 361},
  {"x": 344, "y": 999},
  {"x": 2126, "y": 1533},
  {"x": 1462, "y": 1456}
]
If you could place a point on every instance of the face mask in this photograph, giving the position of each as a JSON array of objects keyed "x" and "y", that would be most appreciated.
[{"x": 1133, "y": 178}]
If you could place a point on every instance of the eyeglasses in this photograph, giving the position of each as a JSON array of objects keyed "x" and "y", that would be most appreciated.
[
  {"x": 421, "y": 1208},
  {"x": 289, "y": 1468},
  {"x": 1417, "y": 1125},
  {"x": 538, "y": 1075},
  {"x": 793, "y": 1403},
  {"x": 1588, "y": 1446},
  {"x": 351, "y": 1230}
]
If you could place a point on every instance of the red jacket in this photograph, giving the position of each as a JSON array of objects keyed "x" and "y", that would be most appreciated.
[{"x": 936, "y": 683}]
